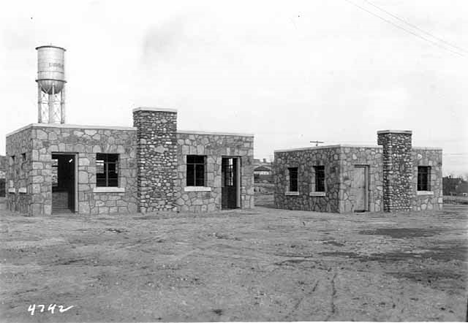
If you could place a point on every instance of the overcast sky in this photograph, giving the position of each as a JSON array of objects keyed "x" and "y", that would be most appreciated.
[{"x": 287, "y": 71}]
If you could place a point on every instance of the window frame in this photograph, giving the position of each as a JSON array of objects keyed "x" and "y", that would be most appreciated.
[
  {"x": 423, "y": 183},
  {"x": 319, "y": 181},
  {"x": 193, "y": 167},
  {"x": 105, "y": 164},
  {"x": 293, "y": 180}
]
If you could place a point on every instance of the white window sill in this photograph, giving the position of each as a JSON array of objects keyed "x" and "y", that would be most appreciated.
[
  {"x": 291, "y": 193},
  {"x": 424, "y": 193},
  {"x": 109, "y": 190},
  {"x": 12, "y": 190},
  {"x": 197, "y": 189},
  {"x": 317, "y": 194}
]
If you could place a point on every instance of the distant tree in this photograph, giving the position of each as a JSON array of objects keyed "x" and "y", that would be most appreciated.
[{"x": 454, "y": 185}]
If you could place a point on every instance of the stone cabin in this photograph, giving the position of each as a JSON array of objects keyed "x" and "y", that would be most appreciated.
[
  {"x": 152, "y": 166},
  {"x": 390, "y": 177}
]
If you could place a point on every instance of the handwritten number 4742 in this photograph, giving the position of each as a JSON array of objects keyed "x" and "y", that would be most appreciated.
[{"x": 51, "y": 308}]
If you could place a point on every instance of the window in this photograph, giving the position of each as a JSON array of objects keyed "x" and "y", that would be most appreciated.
[
  {"x": 293, "y": 179},
  {"x": 423, "y": 178},
  {"x": 319, "y": 178},
  {"x": 107, "y": 170},
  {"x": 196, "y": 170}
]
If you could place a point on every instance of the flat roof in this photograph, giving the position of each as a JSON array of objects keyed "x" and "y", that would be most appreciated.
[
  {"x": 348, "y": 146},
  {"x": 69, "y": 126},
  {"x": 408, "y": 132},
  {"x": 156, "y": 109},
  {"x": 191, "y": 132}
]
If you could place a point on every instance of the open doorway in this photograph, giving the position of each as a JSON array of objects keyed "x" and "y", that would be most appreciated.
[
  {"x": 230, "y": 191},
  {"x": 63, "y": 183}
]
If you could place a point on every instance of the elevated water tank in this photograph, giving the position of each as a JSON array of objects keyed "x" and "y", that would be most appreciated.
[{"x": 51, "y": 68}]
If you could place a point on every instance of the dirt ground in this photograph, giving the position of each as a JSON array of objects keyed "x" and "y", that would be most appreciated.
[{"x": 257, "y": 265}]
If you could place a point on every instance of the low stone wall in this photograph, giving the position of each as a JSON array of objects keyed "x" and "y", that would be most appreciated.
[
  {"x": 214, "y": 146},
  {"x": 432, "y": 199}
]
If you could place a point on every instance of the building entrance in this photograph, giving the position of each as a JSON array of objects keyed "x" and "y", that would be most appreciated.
[
  {"x": 63, "y": 183},
  {"x": 230, "y": 190}
]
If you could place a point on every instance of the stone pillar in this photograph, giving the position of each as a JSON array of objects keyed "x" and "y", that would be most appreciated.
[
  {"x": 397, "y": 169},
  {"x": 156, "y": 158}
]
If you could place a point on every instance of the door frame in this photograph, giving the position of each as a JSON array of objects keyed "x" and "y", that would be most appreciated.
[
  {"x": 238, "y": 178},
  {"x": 367, "y": 185},
  {"x": 75, "y": 157}
]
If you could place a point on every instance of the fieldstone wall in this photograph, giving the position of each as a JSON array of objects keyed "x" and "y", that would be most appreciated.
[
  {"x": 371, "y": 157},
  {"x": 340, "y": 163},
  {"x": 305, "y": 160},
  {"x": 19, "y": 171},
  {"x": 432, "y": 199},
  {"x": 40, "y": 141},
  {"x": 397, "y": 170},
  {"x": 157, "y": 158},
  {"x": 3, "y": 166},
  {"x": 214, "y": 147}
]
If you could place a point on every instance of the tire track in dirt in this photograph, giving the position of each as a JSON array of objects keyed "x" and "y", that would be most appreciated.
[
  {"x": 299, "y": 302},
  {"x": 332, "y": 298}
]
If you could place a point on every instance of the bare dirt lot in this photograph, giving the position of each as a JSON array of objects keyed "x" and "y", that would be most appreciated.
[{"x": 257, "y": 265}]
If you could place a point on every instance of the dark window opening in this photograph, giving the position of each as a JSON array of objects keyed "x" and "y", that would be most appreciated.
[
  {"x": 319, "y": 178},
  {"x": 293, "y": 179},
  {"x": 196, "y": 170},
  {"x": 423, "y": 178},
  {"x": 229, "y": 172},
  {"x": 107, "y": 170}
]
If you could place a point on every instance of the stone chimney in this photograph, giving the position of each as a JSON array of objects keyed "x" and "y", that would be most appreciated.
[
  {"x": 397, "y": 169},
  {"x": 156, "y": 158}
]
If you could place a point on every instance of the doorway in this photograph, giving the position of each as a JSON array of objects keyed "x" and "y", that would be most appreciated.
[
  {"x": 63, "y": 183},
  {"x": 361, "y": 188},
  {"x": 230, "y": 191}
]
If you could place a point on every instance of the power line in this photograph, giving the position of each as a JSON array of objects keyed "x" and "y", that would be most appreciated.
[
  {"x": 415, "y": 27},
  {"x": 404, "y": 29}
]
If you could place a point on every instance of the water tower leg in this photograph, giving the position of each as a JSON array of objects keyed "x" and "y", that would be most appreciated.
[
  {"x": 62, "y": 106},
  {"x": 51, "y": 105},
  {"x": 39, "y": 104}
]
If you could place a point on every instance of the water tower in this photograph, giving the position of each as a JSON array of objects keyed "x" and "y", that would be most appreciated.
[{"x": 51, "y": 84}]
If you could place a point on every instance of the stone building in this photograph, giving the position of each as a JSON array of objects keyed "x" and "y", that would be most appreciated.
[
  {"x": 390, "y": 177},
  {"x": 55, "y": 168}
]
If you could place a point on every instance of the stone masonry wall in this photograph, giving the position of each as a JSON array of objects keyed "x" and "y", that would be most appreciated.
[
  {"x": 305, "y": 160},
  {"x": 3, "y": 166},
  {"x": 157, "y": 158},
  {"x": 85, "y": 142},
  {"x": 371, "y": 157},
  {"x": 18, "y": 171},
  {"x": 339, "y": 162},
  {"x": 397, "y": 170},
  {"x": 214, "y": 147},
  {"x": 432, "y": 199}
]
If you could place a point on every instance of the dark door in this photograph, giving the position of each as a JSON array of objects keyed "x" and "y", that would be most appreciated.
[
  {"x": 230, "y": 183},
  {"x": 63, "y": 183},
  {"x": 360, "y": 188}
]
